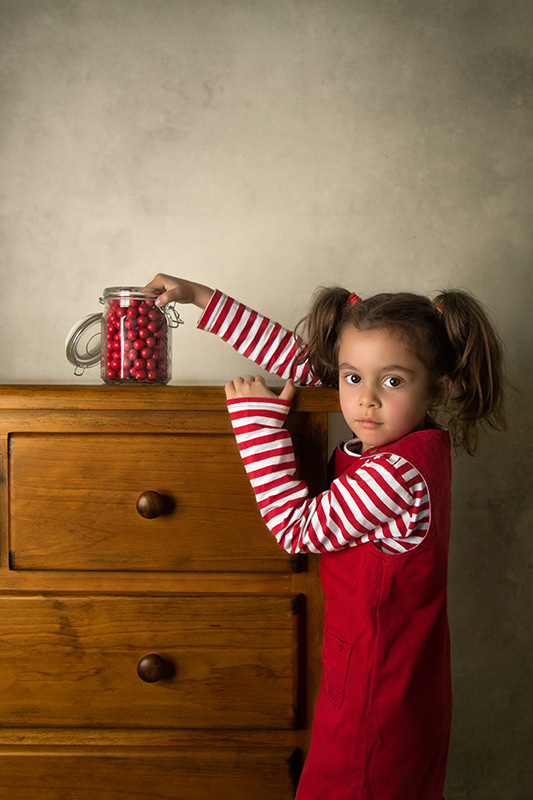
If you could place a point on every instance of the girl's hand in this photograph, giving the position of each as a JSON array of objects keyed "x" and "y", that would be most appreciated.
[
  {"x": 256, "y": 387},
  {"x": 179, "y": 290}
]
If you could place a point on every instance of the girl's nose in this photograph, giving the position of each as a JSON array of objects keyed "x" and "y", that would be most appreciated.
[{"x": 369, "y": 399}]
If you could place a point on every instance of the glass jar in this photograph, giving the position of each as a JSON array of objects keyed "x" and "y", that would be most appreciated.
[{"x": 133, "y": 344}]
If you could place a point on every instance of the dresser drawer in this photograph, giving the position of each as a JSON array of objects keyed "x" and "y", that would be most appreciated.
[
  {"x": 73, "y": 505},
  {"x": 77, "y": 773},
  {"x": 227, "y": 662}
]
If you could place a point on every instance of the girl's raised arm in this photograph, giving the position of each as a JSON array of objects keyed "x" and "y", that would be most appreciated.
[{"x": 265, "y": 342}]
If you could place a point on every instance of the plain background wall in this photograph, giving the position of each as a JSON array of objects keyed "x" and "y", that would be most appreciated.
[{"x": 267, "y": 147}]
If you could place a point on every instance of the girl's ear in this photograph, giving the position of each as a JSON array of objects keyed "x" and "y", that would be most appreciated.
[{"x": 440, "y": 391}]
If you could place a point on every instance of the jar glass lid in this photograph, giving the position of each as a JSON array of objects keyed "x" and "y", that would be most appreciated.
[
  {"x": 130, "y": 291},
  {"x": 83, "y": 345}
]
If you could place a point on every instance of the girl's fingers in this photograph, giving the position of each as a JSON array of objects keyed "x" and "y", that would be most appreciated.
[
  {"x": 288, "y": 392},
  {"x": 255, "y": 386}
]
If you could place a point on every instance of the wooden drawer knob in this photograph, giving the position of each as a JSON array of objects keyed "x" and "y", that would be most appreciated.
[
  {"x": 151, "y": 668},
  {"x": 150, "y": 505}
]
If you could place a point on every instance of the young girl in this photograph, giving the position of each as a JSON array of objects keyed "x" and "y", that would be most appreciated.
[{"x": 382, "y": 720}]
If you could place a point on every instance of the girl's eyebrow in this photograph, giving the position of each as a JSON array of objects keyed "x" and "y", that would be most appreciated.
[
  {"x": 347, "y": 366},
  {"x": 389, "y": 368},
  {"x": 398, "y": 367}
]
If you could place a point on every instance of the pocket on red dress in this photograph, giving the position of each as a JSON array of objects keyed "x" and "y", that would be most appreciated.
[{"x": 335, "y": 660}]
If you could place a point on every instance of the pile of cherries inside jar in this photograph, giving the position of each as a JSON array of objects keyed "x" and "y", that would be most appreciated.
[{"x": 136, "y": 341}]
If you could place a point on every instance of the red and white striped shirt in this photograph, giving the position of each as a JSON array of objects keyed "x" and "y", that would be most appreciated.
[{"x": 385, "y": 501}]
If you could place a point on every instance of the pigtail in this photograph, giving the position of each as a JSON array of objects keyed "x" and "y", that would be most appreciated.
[
  {"x": 477, "y": 395},
  {"x": 322, "y": 324}
]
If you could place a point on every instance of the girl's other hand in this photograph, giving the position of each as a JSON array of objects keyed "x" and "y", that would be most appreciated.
[
  {"x": 179, "y": 290},
  {"x": 255, "y": 386}
]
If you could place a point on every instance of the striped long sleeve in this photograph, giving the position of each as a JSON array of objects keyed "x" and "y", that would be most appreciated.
[
  {"x": 385, "y": 500},
  {"x": 264, "y": 342}
]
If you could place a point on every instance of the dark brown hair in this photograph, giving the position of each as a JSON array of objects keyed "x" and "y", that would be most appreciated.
[{"x": 452, "y": 335}]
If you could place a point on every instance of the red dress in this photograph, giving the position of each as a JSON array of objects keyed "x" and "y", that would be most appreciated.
[{"x": 382, "y": 720}]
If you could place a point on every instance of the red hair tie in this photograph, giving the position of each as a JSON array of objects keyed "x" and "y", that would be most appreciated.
[{"x": 353, "y": 299}]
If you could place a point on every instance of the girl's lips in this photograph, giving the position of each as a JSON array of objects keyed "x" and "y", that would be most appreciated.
[{"x": 369, "y": 424}]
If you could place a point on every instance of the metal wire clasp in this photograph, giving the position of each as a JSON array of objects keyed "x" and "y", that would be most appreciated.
[{"x": 173, "y": 318}]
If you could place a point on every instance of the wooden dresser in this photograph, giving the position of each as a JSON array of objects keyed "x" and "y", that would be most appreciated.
[{"x": 170, "y": 655}]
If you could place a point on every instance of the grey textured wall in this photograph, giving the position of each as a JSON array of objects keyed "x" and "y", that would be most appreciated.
[{"x": 267, "y": 146}]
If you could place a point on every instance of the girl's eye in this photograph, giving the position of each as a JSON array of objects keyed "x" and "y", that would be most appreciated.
[
  {"x": 352, "y": 379},
  {"x": 393, "y": 382}
]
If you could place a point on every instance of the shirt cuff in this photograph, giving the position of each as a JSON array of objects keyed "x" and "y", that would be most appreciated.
[
  {"x": 209, "y": 314},
  {"x": 268, "y": 412}
]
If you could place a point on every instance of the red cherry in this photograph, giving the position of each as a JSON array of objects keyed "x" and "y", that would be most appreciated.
[
  {"x": 134, "y": 303},
  {"x": 151, "y": 341},
  {"x": 132, "y": 372},
  {"x": 121, "y": 312},
  {"x": 142, "y": 321},
  {"x": 151, "y": 364},
  {"x": 127, "y": 362},
  {"x": 131, "y": 312},
  {"x": 144, "y": 333},
  {"x": 132, "y": 354},
  {"x": 146, "y": 352},
  {"x": 132, "y": 335},
  {"x": 144, "y": 309},
  {"x": 138, "y": 344},
  {"x": 130, "y": 323},
  {"x": 140, "y": 363},
  {"x": 140, "y": 375},
  {"x": 152, "y": 375},
  {"x": 111, "y": 373}
]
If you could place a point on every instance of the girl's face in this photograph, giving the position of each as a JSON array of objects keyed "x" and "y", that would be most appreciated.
[{"x": 385, "y": 390}]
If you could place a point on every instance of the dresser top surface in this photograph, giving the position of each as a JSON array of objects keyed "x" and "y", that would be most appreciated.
[{"x": 179, "y": 398}]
